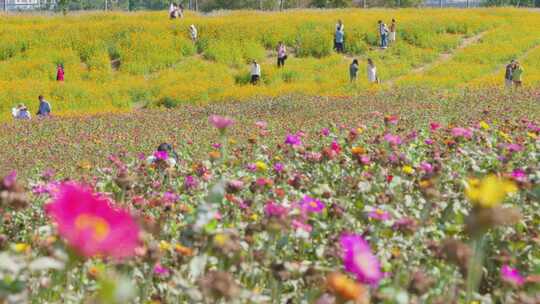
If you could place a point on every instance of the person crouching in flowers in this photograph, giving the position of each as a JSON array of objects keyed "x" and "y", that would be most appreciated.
[{"x": 165, "y": 156}]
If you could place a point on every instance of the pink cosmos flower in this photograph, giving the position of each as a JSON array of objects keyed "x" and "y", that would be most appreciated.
[
  {"x": 312, "y": 205},
  {"x": 251, "y": 167},
  {"x": 514, "y": 148},
  {"x": 512, "y": 276},
  {"x": 271, "y": 209},
  {"x": 379, "y": 215},
  {"x": 261, "y": 124},
  {"x": 91, "y": 225},
  {"x": 434, "y": 126},
  {"x": 300, "y": 225},
  {"x": 10, "y": 180},
  {"x": 335, "y": 147},
  {"x": 190, "y": 182},
  {"x": 220, "y": 122},
  {"x": 519, "y": 175},
  {"x": 161, "y": 155},
  {"x": 359, "y": 260},
  {"x": 394, "y": 140},
  {"x": 462, "y": 132},
  {"x": 427, "y": 167},
  {"x": 293, "y": 140},
  {"x": 216, "y": 145},
  {"x": 365, "y": 160},
  {"x": 170, "y": 197},
  {"x": 428, "y": 141}
]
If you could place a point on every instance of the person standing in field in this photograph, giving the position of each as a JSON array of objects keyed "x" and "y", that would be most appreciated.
[
  {"x": 517, "y": 75},
  {"x": 44, "y": 107},
  {"x": 193, "y": 33},
  {"x": 59, "y": 73},
  {"x": 393, "y": 29},
  {"x": 372, "y": 72},
  {"x": 173, "y": 9},
  {"x": 255, "y": 72},
  {"x": 281, "y": 54},
  {"x": 340, "y": 26},
  {"x": 383, "y": 32},
  {"x": 339, "y": 38},
  {"x": 508, "y": 75},
  {"x": 353, "y": 70},
  {"x": 180, "y": 10}
]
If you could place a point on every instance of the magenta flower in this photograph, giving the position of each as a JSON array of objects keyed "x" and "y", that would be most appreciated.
[
  {"x": 271, "y": 209},
  {"x": 325, "y": 132},
  {"x": 216, "y": 145},
  {"x": 462, "y": 132},
  {"x": 91, "y": 225},
  {"x": 219, "y": 122},
  {"x": 379, "y": 215},
  {"x": 170, "y": 197},
  {"x": 161, "y": 271},
  {"x": 394, "y": 140},
  {"x": 190, "y": 182},
  {"x": 519, "y": 175},
  {"x": 161, "y": 155},
  {"x": 434, "y": 126},
  {"x": 312, "y": 205},
  {"x": 335, "y": 146},
  {"x": 359, "y": 260},
  {"x": 365, "y": 160},
  {"x": 10, "y": 180},
  {"x": 512, "y": 276},
  {"x": 293, "y": 140},
  {"x": 428, "y": 141},
  {"x": 279, "y": 167}
]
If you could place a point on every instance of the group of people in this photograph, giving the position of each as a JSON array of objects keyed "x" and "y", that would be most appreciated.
[
  {"x": 176, "y": 11},
  {"x": 22, "y": 112},
  {"x": 513, "y": 76},
  {"x": 371, "y": 71},
  {"x": 387, "y": 35}
]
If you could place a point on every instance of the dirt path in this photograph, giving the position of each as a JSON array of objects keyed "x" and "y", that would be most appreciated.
[{"x": 444, "y": 57}]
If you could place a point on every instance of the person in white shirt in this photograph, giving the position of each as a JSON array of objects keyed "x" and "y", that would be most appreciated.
[
  {"x": 193, "y": 33},
  {"x": 173, "y": 9},
  {"x": 255, "y": 72},
  {"x": 383, "y": 32},
  {"x": 372, "y": 72}
]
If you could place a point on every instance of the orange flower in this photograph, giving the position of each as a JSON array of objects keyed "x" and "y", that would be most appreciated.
[
  {"x": 182, "y": 250},
  {"x": 214, "y": 155},
  {"x": 347, "y": 289},
  {"x": 358, "y": 150}
]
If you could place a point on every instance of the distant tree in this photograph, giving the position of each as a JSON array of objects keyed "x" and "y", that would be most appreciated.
[
  {"x": 518, "y": 3},
  {"x": 331, "y": 3}
]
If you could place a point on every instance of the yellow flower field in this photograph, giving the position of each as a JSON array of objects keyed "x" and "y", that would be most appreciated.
[{"x": 117, "y": 61}]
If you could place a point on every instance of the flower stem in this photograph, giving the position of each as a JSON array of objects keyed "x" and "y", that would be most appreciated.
[{"x": 474, "y": 269}]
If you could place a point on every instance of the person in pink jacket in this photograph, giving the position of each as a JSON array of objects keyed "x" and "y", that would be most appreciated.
[{"x": 59, "y": 73}]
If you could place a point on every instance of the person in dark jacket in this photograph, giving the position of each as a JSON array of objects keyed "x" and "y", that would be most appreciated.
[{"x": 44, "y": 107}]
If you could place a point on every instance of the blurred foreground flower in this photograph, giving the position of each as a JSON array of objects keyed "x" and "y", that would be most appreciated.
[
  {"x": 488, "y": 192},
  {"x": 91, "y": 225},
  {"x": 346, "y": 289},
  {"x": 359, "y": 260}
]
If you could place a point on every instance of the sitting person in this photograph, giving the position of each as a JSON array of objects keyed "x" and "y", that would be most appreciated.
[
  {"x": 21, "y": 112},
  {"x": 44, "y": 107},
  {"x": 164, "y": 154}
]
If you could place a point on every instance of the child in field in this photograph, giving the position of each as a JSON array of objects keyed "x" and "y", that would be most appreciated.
[
  {"x": 517, "y": 75},
  {"x": 193, "y": 33},
  {"x": 508, "y": 75},
  {"x": 255, "y": 72},
  {"x": 372, "y": 72},
  {"x": 59, "y": 73},
  {"x": 340, "y": 26},
  {"x": 353, "y": 70},
  {"x": 164, "y": 154},
  {"x": 281, "y": 54},
  {"x": 21, "y": 112},
  {"x": 393, "y": 29},
  {"x": 338, "y": 40},
  {"x": 383, "y": 32},
  {"x": 44, "y": 107}
]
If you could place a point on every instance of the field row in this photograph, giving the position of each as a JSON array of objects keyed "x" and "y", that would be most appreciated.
[{"x": 157, "y": 64}]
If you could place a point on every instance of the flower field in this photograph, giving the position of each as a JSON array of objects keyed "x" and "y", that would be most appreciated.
[
  {"x": 409, "y": 196},
  {"x": 115, "y": 62}
]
